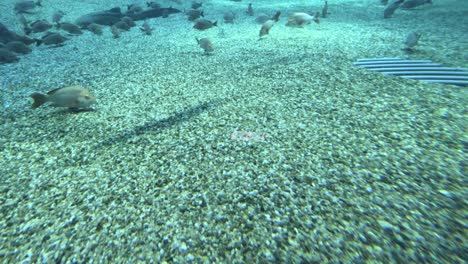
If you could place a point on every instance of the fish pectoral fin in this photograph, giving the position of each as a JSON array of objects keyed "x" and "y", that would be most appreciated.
[{"x": 79, "y": 110}]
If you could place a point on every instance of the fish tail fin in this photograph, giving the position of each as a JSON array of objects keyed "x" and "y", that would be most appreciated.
[
  {"x": 215, "y": 23},
  {"x": 198, "y": 41},
  {"x": 38, "y": 3},
  {"x": 39, "y": 99}
]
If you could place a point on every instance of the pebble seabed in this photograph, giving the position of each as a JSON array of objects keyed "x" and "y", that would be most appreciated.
[{"x": 271, "y": 151}]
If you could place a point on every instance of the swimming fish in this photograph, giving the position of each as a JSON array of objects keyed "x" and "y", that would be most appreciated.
[
  {"x": 26, "y": 6},
  {"x": 107, "y": 17},
  {"x": 51, "y": 38},
  {"x": 153, "y": 5},
  {"x": 262, "y": 18},
  {"x": 122, "y": 26},
  {"x": 388, "y": 12},
  {"x": 57, "y": 16},
  {"x": 74, "y": 97},
  {"x": 205, "y": 44},
  {"x": 299, "y": 19},
  {"x": 194, "y": 14},
  {"x": 7, "y": 35},
  {"x": 250, "y": 11},
  {"x": 229, "y": 17},
  {"x": 40, "y": 26},
  {"x": 95, "y": 28},
  {"x": 70, "y": 28},
  {"x": 18, "y": 47},
  {"x": 129, "y": 21},
  {"x": 24, "y": 22},
  {"x": 7, "y": 56},
  {"x": 202, "y": 24},
  {"x": 196, "y": 5},
  {"x": 325, "y": 9},
  {"x": 153, "y": 12},
  {"x": 115, "y": 32},
  {"x": 276, "y": 16},
  {"x": 146, "y": 28},
  {"x": 134, "y": 9},
  {"x": 411, "y": 40},
  {"x": 265, "y": 30},
  {"x": 408, "y": 4}
]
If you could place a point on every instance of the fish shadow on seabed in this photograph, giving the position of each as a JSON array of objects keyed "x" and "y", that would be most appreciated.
[{"x": 70, "y": 111}]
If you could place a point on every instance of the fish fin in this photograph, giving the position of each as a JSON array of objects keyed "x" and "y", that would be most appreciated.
[
  {"x": 53, "y": 91},
  {"x": 115, "y": 10},
  {"x": 215, "y": 24},
  {"x": 39, "y": 99}
]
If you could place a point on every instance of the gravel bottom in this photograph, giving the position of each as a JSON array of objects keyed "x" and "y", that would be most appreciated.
[{"x": 277, "y": 150}]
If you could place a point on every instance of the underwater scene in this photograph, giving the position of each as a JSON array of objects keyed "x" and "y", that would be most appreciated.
[{"x": 233, "y": 131}]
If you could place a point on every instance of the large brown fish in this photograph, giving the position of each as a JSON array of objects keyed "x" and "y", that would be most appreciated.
[{"x": 74, "y": 97}]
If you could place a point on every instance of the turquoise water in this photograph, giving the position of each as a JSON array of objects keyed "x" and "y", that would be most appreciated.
[{"x": 271, "y": 150}]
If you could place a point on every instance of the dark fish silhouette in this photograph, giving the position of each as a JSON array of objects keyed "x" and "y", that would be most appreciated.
[
  {"x": 52, "y": 38},
  {"x": 146, "y": 28},
  {"x": 194, "y": 14},
  {"x": 7, "y": 35},
  {"x": 114, "y": 15},
  {"x": 202, "y": 24},
  {"x": 388, "y": 12},
  {"x": 18, "y": 47},
  {"x": 107, "y": 18},
  {"x": 408, "y": 4},
  {"x": 196, "y": 5},
  {"x": 40, "y": 26},
  {"x": 7, "y": 56},
  {"x": 70, "y": 28},
  {"x": 153, "y": 5},
  {"x": 95, "y": 28},
  {"x": 154, "y": 12},
  {"x": 26, "y": 6}
]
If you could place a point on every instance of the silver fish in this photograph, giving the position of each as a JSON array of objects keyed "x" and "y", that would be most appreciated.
[
  {"x": 205, "y": 44},
  {"x": 75, "y": 97}
]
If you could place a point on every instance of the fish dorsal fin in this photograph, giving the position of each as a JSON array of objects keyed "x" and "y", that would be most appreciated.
[
  {"x": 115, "y": 10},
  {"x": 53, "y": 91}
]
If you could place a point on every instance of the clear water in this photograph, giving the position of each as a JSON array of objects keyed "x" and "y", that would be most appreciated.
[{"x": 271, "y": 150}]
